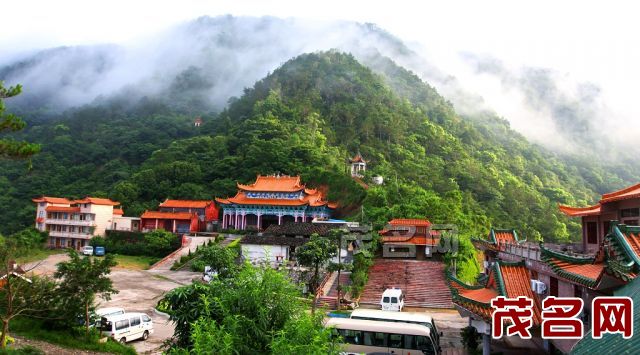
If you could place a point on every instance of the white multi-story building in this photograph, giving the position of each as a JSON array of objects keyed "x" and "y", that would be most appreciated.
[{"x": 72, "y": 223}]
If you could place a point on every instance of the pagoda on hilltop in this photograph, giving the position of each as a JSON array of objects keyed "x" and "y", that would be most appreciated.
[{"x": 273, "y": 199}]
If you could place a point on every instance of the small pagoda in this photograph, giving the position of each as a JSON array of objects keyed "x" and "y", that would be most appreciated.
[{"x": 274, "y": 199}]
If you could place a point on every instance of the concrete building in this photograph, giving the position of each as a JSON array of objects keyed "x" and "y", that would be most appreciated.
[{"x": 72, "y": 223}]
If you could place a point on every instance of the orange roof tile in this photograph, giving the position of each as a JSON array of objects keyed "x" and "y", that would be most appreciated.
[
  {"x": 357, "y": 159},
  {"x": 185, "y": 203},
  {"x": 591, "y": 271},
  {"x": 580, "y": 211},
  {"x": 167, "y": 215},
  {"x": 118, "y": 211},
  {"x": 505, "y": 236},
  {"x": 97, "y": 201},
  {"x": 517, "y": 283},
  {"x": 410, "y": 222},
  {"x": 417, "y": 240},
  {"x": 484, "y": 295},
  {"x": 624, "y": 194},
  {"x": 274, "y": 183},
  {"x": 634, "y": 241},
  {"x": 62, "y": 209},
  {"x": 56, "y": 200}
]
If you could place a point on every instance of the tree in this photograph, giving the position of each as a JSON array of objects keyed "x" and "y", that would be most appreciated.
[
  {"x": 258, "y": 311},
  {"x": 83, "y": 278},
  {"x": 315, "y": 253},
  {"x": 10, "y": 122},
  {"x": 221, "y": 259},
  {"x": 159, "y": 241},
  {"x": 337, "y": 236},
  {"x": 20, "y": 295}
]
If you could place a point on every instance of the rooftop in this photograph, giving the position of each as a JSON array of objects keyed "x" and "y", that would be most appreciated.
[
  {"x": 413, "y": 222},
  {"x": 274, "y": 183},
  {"x": 167, "y": 215},
  {"x": 185, "y": 203}
]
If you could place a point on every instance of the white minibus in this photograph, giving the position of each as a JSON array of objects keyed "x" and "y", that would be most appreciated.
[
  {"x": 366, "y": 336},
  {"x": 127, "y": 327}
]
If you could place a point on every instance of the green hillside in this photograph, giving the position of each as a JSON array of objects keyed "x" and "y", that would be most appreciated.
[{"x": 308, "y": 117}]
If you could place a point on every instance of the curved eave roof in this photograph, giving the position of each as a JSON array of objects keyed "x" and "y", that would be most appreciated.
[
  {"x": 274, "y": 184},
  {"x": 580, "y": 211},
  {"x": 624, "y": 194},
  {"x": 311, "y": 200}
]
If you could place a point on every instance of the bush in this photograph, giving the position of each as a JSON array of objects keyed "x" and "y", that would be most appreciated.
[
  {"x": 158, "y": 243},
  {"x": 360, "y": 272}
]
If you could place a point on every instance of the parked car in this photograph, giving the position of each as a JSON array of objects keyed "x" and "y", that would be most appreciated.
[
  {"x": 127, "y": 327},
  {"x": 87, "y": 250},
  {"x": 99, "y": 251},
  {"x": 392, "y": 300}
]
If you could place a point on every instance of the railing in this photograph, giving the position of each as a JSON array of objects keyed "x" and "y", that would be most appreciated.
[
  {"x": 73, "y": 222},
  {"x": 69, "y": 235}
]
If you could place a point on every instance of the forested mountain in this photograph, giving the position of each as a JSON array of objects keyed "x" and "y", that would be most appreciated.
[{"x": 308, "y": 117}]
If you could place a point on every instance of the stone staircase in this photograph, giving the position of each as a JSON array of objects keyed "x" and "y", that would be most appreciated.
[{"x": 423, "y": 282}]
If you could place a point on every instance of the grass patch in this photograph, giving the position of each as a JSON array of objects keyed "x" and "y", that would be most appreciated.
[
  {"x": 38, "y": 254},
  {"x": 135, "y": 262},
  {"x": 73, "y": 339}
]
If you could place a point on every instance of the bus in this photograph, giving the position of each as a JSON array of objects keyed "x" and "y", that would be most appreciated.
[
  {"x": 367, "y": 336},
  {"x": 401, "y": 317}
]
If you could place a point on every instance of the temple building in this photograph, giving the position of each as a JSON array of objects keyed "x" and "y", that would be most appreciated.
[
  {"x": 409, "y": 238},
  {"x": 358, "y": 165},
  {"x": 622, "y": 206},
  {"x": 273, "y": 199},
  {"x": 206, "y": 210}
]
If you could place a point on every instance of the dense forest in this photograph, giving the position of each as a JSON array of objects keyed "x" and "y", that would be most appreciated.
[{"x": 308, "y": 117}]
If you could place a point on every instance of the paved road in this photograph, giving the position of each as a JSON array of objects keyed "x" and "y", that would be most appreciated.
[
  {"x": 140, "y": 291},
  {"x": 194, "y": 242}
]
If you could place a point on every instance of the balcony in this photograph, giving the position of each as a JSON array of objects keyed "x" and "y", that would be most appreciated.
[
  {"x": 71, "y": 222},
  {"x": 70, "y": 235}
]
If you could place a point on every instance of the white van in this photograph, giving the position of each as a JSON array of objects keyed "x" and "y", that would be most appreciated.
[
  {"x": 87, "y": 250},
  {"x": 105, "y": 312},
  {"x": 392, "y": 300},
  {"x": 127, "y": 327}
]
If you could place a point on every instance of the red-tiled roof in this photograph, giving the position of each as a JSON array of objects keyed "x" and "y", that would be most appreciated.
[
  {"x": 62, "y": 209},
  {"x": 167, "y": 215},
  {"x": 357, "y": 159},
  {"x": 515, "y": 282},
  {"x": 118, "y": 211},
  {"x": 624, "y": 194},
  {"x": 274, "y": 183},
  {"x": 185, "y": 203},
  {"x": 580, "y": 211},
  {"x": 56, "y": 200},
  {"x": 97, "y": 201},
  {"x": 505, "y": 236},
  {"x": 410, "y": 222},
  {"x": 590, "y": 271}
]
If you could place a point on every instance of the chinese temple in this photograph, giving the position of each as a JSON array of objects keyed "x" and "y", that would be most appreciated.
[
  {"x": 622, "y": 205},
  {"x": 273, "y": 199},
  {"x": 409, "y": 238}
]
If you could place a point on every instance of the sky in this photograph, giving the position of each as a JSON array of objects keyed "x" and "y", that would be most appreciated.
[{"x": 579, "y": 41}]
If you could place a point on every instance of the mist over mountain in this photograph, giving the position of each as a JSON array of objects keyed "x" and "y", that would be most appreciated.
[{"x": 199, "y": 65}]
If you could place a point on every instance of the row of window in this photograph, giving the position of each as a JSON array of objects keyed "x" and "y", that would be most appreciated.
[
  {"x": 388, "y": 340},
  {"x": 274, "y": 195}
]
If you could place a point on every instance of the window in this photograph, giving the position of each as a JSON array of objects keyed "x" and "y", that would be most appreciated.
[
  {"x": 134, "y": 321},
  {"x": 424, "y": 344},
  {"x": 352, "y": 336},
  {"x": 630, "y": 222},
  {"x": 122, "y": 324},
  {"x": 145, "y": 318},
  {"x": 385, "y": 299},
  {"x": 395, "y": 340},
  {"x": 373, "y": 339},
  {"x": 630, "y": 212},
  {"x": 592, "y": 233},
  {"x": 394, "y": 299}
]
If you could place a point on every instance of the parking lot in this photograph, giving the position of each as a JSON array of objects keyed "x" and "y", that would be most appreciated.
[{"x": 140, "y": 291}]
